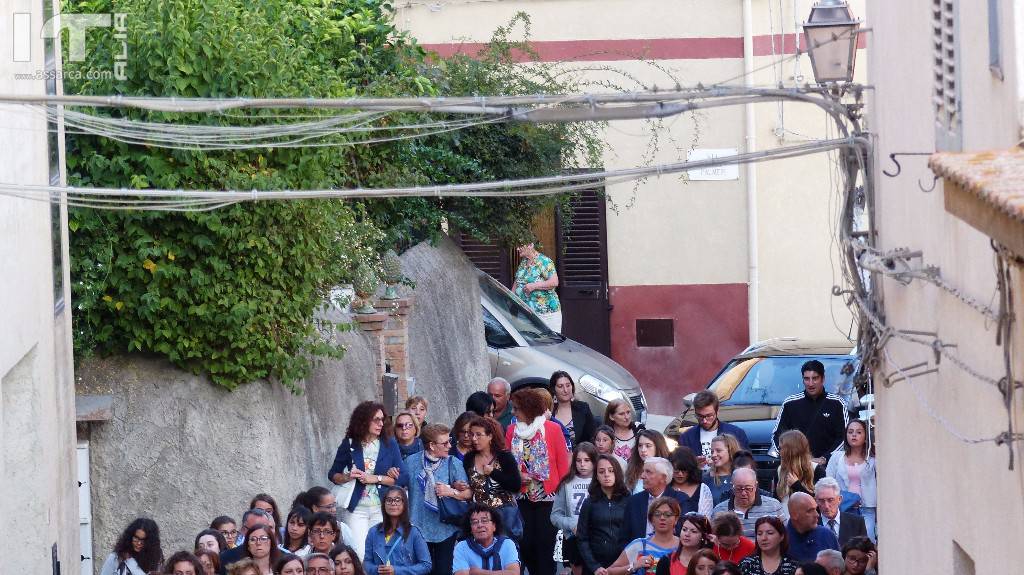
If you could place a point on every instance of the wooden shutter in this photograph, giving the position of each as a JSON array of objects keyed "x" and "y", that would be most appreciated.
[
  {"x": 583, "y": 249},
  {"x": 946, "y": 74}
]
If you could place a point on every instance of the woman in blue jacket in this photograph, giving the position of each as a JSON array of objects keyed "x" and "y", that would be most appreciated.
[
  {"x": 394, "y": 546},
  {"x": 370, "y": 457}
]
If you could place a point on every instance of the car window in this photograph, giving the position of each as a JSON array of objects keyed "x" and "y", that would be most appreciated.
[
  {"x": 495, "y": 333},
  {"x": 772, "y": 379},
  {"x": 513, "y": 310}
]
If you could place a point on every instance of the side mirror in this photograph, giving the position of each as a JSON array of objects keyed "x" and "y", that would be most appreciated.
[{"x": 688, "y": 400}]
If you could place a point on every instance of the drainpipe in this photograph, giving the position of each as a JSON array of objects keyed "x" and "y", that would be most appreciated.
[{"x": 751, "y": 169}]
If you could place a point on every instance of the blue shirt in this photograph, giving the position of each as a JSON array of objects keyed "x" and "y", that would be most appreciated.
[
  {"x": 429, "y": 522},
  {"x": 805, "y": 547},
  {"x": 464, "y": 558}
]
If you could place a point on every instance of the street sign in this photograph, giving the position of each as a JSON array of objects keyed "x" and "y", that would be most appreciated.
[{"x": 716, "y": 173}]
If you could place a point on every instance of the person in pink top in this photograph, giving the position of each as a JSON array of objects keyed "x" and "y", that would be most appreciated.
[{"x": 853, "y": 467}]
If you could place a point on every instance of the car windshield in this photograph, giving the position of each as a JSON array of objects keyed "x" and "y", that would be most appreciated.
[
  {"x": 770, "y": 380},
  {"x": 515, "y": 312}
]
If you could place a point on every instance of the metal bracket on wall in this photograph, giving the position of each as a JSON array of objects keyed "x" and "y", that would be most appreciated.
[{"x": 899, "y": 170}]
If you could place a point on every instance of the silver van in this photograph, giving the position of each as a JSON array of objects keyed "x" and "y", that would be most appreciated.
[{"x": 526, "y": 352}]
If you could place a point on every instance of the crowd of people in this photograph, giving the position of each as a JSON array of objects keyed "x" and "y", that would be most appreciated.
[{"x": 531, "y": 480}]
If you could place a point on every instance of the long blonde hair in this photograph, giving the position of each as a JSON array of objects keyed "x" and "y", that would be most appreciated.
[
  {"x": 795, "y": 455},
  {"x": 731, "y": 446}
]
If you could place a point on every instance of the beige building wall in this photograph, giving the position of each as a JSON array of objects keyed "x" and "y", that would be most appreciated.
[
  {"x": 38, "y": 489},
  {"x": 955, "y": 506},
  {"x": 686, "y": 242}
]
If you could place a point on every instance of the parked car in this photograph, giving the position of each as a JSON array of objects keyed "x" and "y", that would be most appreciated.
[
  {"x": 753, "y": 385},
  {"x": 526, "y": 352}
]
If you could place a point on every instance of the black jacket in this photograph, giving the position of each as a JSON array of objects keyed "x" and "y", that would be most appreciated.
[
  {"x": 597, "y": 531},
  {"x": 850, "y": 526},
  {"x": 583, "y": 423},
  {"x": 823, "y": 420},
  {"x": 508, "y": 477}
]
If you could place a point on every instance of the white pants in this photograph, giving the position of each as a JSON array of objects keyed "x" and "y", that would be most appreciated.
[
  {"x": 360, "y": 521},
  {"x": 552, "y": 320}
]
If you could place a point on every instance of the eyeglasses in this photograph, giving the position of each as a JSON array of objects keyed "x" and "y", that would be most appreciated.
[
  {"x": 480, "y": 521},
  {"x": 139, "y": 539},
  {"x": 857, "y": 561},
  {"x": 663, "y": 514},
  {"x": 465, "y": 432},
  {"x": 377, "y": 420},
  {"x": 743, "y": 488},
  {"x": 259, "y": 539},
  {"x": 325, "y": 570},
  {"x": 406, "y": 425},
  {"x": 322, "y": 532},
  {"x": 707, "y": 417},
  {"x": 393, "y": 500},
  {"x": 479, "y": 435},
  {"x": 229, "y": 534}
]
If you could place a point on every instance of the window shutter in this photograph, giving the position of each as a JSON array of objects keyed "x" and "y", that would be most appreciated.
[{"x": 946, "y": 69}]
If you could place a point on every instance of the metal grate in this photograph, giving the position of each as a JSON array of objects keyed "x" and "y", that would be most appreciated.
[
  {"x": 946, "y": 74},
  {"x": 638, "y": 403}
]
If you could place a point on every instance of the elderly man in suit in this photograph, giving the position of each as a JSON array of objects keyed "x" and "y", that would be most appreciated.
[
  {"x": 656, "y": 476},
  {"x": 844, "y": 525}
]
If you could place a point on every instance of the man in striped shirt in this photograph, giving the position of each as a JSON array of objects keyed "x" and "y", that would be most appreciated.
[{"x": 747, "y": 503}]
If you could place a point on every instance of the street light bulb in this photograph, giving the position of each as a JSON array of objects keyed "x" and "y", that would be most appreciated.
[{"x": 831, "y": 34}]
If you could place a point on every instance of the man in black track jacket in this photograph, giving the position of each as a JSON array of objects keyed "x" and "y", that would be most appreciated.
[{"x": 821, "y": 416}]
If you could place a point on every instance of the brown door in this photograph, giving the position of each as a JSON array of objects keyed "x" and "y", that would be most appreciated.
[
  {"x": 583, "y": 273},
  {"x": 492, "y": 259}
]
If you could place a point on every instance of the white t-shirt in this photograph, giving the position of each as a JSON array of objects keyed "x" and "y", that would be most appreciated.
[
  {"x": 705, "y": 445},
  {"x": 578, "y": 494}
]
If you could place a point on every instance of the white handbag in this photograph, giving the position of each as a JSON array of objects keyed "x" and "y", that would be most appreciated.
[{"x": 343, "y": 493}]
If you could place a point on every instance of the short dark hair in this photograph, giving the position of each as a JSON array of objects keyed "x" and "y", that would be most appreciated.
[
  {"x": 744, "y": 458},
  {"x": 684, "y": 460},
  {"x": 812, "y": 568},
  {"x": 475, "y": 508},
  {"x": 858, "y": 543},
  {"x": 813, "y": 365},
  {"x": 479, "y": 402},
  {"x": 221, "y": 521},
  {"x": 284, "y": 560},
  {"x": 328, "y": 519},
  {"x": 187, "y": 558},
  {"x": 221, "y": 542},
  {"x": 705, "y": 398},
  {"x": 726, "y": 524}
]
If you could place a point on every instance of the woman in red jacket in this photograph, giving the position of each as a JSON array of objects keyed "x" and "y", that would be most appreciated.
[{"x": 540, "y": 452}]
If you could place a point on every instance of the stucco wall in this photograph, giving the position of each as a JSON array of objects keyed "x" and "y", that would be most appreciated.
[
  {"x": 937, "y": 492},
  {"x": 183, "y": 451},
  {"x": 38, "y": 497}
]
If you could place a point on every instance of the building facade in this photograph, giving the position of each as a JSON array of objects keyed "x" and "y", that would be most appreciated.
[
  {"x": 38, "y": 487},
  {"x": 951, "y": 497},
  {"x": 696, "y": 268}
]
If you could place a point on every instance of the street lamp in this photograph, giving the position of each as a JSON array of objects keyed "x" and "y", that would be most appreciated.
[{"x": 831, "y": 34}]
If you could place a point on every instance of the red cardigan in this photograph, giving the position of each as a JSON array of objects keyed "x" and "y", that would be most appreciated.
[
  {"x": 745, "y": 547},
  {"x": 558, "y": 455}
]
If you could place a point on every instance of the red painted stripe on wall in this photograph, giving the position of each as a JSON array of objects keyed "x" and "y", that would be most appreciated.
[{"x": 639, "y": 49}]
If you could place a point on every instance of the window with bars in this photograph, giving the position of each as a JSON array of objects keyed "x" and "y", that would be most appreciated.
[{"x": 946, "y": 70}]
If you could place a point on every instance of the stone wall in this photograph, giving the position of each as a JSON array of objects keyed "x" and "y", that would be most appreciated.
[{"x": 183, "y": 451}]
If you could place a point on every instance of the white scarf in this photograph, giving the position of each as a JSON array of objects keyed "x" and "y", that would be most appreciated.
[{"x": 528, "y": 430}]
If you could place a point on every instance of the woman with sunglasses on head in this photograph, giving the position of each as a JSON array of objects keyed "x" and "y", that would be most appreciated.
[
  {"x": 371, "y": 457},
  {"x": 602, "y": 515},
  {"x": 693, "y": 536},
  {"x": 137, "y": 551},
  {"x": 432, "y": 476},
  {"x": 641, "y": 556},
  {"x": 493, "y": 473},
  {"x": 407, "y": 433},
  {"x": 395, "y": 546}
]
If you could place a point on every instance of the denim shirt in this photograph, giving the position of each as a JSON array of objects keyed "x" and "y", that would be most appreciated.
[
  {"x": 411, "y": 557},
  {"x": 427, "y": 520}
]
